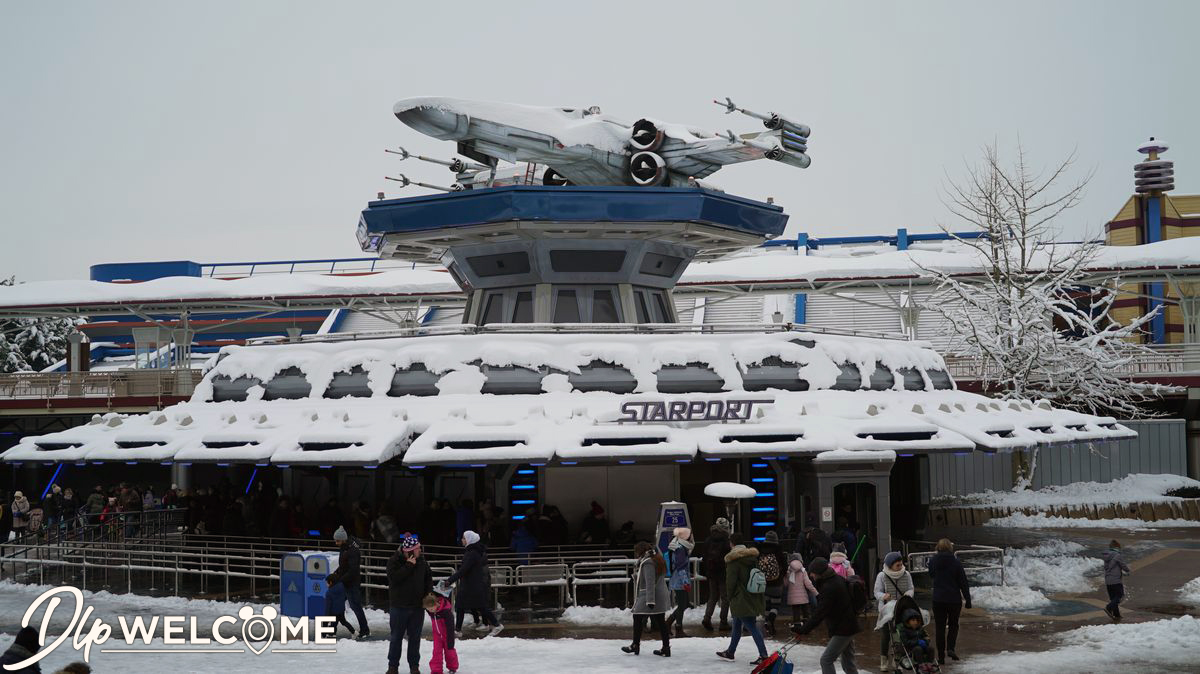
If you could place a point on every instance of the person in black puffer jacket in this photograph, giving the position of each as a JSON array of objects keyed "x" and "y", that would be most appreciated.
[
  {"x": 474, "y": 585},
  {"x": 409, "y": 580},
  {"x": 22, "y": 648},
  {"x": 950, "y": 592},
  {"x": 349, "y": 574},
  {"x": 836, "y": 610},
  {"x": 715, "y": 549}
]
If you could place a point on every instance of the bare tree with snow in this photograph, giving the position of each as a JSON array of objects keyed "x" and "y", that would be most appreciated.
[{"x": 1035, "y": 322}]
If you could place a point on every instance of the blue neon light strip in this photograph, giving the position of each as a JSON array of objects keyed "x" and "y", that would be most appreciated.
[
  {"x": 764, "y": 494},
  {"x": 524, "y": 501},
  {"x": 51, "y": 482},
  {"x": 524, "y": 486},
  {"x": 758, "y": 465},
  {"x": 762, "y": 479},
  {"x": 764, "y": 524},
  {"x": 518, "y": 517},
  {"x": 251, "y": 482},
  {"x": 764, "y": 510},
  {"x": 526, "y": 472}
]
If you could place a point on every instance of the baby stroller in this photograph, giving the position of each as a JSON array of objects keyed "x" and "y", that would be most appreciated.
[{"x": 922, "y": 663}]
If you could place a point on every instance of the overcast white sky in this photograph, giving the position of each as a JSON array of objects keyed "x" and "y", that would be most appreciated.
[{"x": 253, "y": 130}]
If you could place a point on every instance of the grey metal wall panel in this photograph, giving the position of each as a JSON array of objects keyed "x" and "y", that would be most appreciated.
[{"x": 1161, "y": 447}]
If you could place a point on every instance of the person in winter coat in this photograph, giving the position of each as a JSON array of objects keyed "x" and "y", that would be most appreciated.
[
  {"x": 836, "y": 610},
  {"x": 815, "y": 543},
  {"x": 595, "y": 526},
  {"x": 680, "y": 549},
  {"x": 20, "y": 514},
  {"x": 839, "y": 562},
  {"x": 52, "y": 507},
  {"x": 798, "y": 588},
  {"x": 22, "y": 648},
  {"x": 651, "y": 598},
  {"x": 523, "y": 541},
  {"x": 96, "y": 502},
  {"x": 70, "y": 507},
  {"x": 1115, "y": 571},
  {"x": 912, "y": 635},
  {"x": 715, "y": 549},
  {"x": 773, "y": 564},
  {"x": 892, "y": 582},
  {"x": 441, "y": 620},
  {"x": 409, "y": 580},
  {"x": 474, "y": 584},
  {"x": 349, "y": 574},
  {"x": 744, "y": 604},
  {"x": 951, "y": 592}
]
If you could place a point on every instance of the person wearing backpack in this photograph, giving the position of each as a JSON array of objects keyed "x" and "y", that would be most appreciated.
[
  {"x": 893, "y": 581},
  {"x": 835, "y": 608},
  {"x": 773, "y": 563},
  {"x": 747, "y": 587}
]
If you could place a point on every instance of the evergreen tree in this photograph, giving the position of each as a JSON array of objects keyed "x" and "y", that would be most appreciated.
[{"x": 33, "y": 344}]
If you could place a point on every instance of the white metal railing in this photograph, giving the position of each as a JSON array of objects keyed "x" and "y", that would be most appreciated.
[
  {"x": 974, "y": 558},
  {"x": 576, "y": 328},
  {"x": 100, "y": 385},
  {"x": 1160, "y": 360}
]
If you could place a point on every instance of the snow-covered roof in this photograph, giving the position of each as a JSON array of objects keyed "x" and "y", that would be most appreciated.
[
  {"x": 660, "y": 397},
  {"x": 778, "y": 268}
]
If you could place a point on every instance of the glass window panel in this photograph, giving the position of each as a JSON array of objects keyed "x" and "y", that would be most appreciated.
[
  {"x": 660, "y": 300},
  {"x": 523, "y": 311},
  {"x": 566, "y": 307},
  {"x": 604, "y": 308},
  {"x": 493, "y": 310},
  {"x": 642, "y": 312}
]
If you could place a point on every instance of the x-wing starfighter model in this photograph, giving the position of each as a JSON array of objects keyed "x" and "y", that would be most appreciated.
[{"x": 583, "y": 146}]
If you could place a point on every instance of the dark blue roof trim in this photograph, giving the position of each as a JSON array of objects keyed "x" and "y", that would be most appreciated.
[{"x": 573, "y": 204}]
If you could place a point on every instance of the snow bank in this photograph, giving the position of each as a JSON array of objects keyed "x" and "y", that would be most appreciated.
[
  {"x": 1007, "y": 598},
  {"x": 599, "y": 616},
  {"x": 1137, "y": 488},
  {"x": 1039, "y": 521},
  {"x": 1053, "y": 566},
  {"x": 1124, "y": 647},
  {"x": 1190, "y": 592}
]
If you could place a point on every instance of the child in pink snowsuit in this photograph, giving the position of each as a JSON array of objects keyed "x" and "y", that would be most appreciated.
[
  {"x": 840, "y": 565},
  {"x": 441, "y": 613}
]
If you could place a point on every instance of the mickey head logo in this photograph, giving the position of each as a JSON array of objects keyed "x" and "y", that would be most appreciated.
[{"x": 258, "y": 631}]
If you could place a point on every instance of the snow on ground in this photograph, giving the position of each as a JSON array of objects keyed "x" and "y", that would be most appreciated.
[
  {"x": 493, "y": 655},
  {"x": 1049, "y": 567},
  {"x": 1040, "y": 521},
  {"x": 1137, "y": 488},
  {"x": 1190, "y": 592},
  {"x": 594, "y": 616},
  {"x": 1160, "y": 645},
  {"x": 1007, "y": 598}
]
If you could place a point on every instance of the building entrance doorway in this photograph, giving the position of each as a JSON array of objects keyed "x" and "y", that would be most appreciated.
[{"x": 855, "y": 524}]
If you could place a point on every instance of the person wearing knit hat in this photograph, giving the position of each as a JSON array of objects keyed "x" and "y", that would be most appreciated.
[
  {"x": 1115, "y": 570},
  {"x": 349, "y": 574},
  {"x": 23, "y": 647},
  {"x": 474, "y": 586},
  {"x": 892, "y": 582},
  {"x": 773, "y": 563},
  {"x": 835, "y": 607},
  {"x": 409, "y": 581}
]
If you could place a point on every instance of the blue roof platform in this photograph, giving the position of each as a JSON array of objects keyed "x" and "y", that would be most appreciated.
[{"x": 424, "y": 227}]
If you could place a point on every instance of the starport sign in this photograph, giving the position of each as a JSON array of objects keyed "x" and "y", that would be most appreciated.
[
  {"x": 666, "y": 411},
  {"x": 246, "y": 631}
]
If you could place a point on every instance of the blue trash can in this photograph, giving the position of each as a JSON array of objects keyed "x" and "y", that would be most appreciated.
[{"x": 302, "y": 582}]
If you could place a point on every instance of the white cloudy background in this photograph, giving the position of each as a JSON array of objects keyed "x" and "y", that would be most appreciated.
[{"x": 230, "y": 130}]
